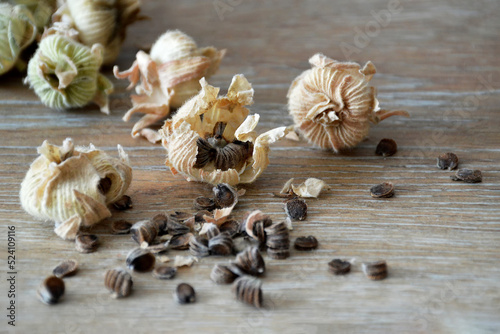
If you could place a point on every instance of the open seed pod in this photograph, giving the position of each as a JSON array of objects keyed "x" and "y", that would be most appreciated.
[
  {"x": 212, "y": 139},
  {"x": 72, "y": 186},
  {"x": 332, "y": 104},
  {"x": 169, "y": 76}
]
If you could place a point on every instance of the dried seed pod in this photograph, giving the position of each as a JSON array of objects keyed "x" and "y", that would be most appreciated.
[
  {"x": 225, "y": 196},
  {"x": 185, "y": 294},
  {"x": 51, "y": 290},
  {"x": 179, "y": 217},
  {"x": 221, "y": 244},
  {"x": 181, "y": 241},
  {"x": 164, "y": 272},
  {"x": 121, "y": 227},
  {"x": 123, "y": 203},
  {"x": 140, "y": 260},
  {"x": 375, "y": 270},
  {"x": 332, "y": 104},
  {"x": 204, "y": 203},
  {"x": 296, "y": 208},
  {"x": 221, "y": 274},
  {"x": 177, "y": 228},
  {"x": 339, "y": 267},
  {"x": 86, "y": 243},
  {"x": 386, "y": 147},
  {"x": 65, "y": 269},
  {"x": 144, "y": 231},
  {"x": 249, "y": 262},
  {"x": 248, "y": 290},
  {"x": 382, "y": 190},
  {"x": 447, "y": 161},
  {"x": 306, "y": 243},
  {"x": 255, "y": 223},
  {"x": 231, "y": 227},
  {"x": 468, "y": 175},
  {"x": 213, "y": 231},
  {"x": 199, "y": 246},
  {"x": 161, "y": 222},
  {"x": 278, "y": 241},
  {"x": 119, "y": 282}
]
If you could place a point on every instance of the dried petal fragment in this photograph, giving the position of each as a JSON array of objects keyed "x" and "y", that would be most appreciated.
[{"x": 311, "y": 187}]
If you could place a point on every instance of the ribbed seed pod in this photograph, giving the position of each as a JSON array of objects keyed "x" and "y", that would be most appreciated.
[
  {"x": 198, "y": 246},
  {"x": 140, "y": 260},
  {"x": 181, "y": 241},
  {"x": 278, "y": 241},
  {"x": 221, "y": 244},
  {"x": 248, "y": 290},
  {"x": 161, "y": 222},
  {"x": 144, "y": 231},
  {"x": 221, "y": 274},
  {"x": 255, "y": 224},
  {"x": 119, "y": 282},
  {"x": 249, "y": 262}
]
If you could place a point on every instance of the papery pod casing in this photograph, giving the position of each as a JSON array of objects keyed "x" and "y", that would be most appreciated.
[
  {"x": 65, "y": 185},
  {"x": 199, "y": 115},
  {"x": 65, "y": 74},
  {"x": 17, "y": 31},
  {"x": 168, "y": 76},
  {"x": 333, "y": 105},
  {"x": 42, "y": 11},
  {"x": 100, "y": 21}
]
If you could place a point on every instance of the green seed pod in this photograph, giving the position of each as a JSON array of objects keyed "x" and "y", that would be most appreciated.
[
  {"x": 65, "y": 74},
  {"x": 42, "y": 10},
  {"x": 17, "y": 31}
]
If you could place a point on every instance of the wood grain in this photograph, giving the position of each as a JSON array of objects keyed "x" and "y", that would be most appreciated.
[{"x": 436, "y": 59}]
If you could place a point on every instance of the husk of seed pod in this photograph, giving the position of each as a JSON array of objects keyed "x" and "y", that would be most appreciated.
[
  {"x": 100, "y": 22},
  {"x": 333, "y": 105},
  {"x": 168, "y": 76},
  {"x": 17, "y": 31},
  {"x": 64, "y": 185},
  {"x": 199, "y": 115}
]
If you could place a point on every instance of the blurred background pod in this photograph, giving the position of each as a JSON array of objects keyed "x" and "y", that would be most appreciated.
[{"x": 41, "y": 10}]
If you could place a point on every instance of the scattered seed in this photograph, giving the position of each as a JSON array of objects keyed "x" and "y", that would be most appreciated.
[
  {"x": 123, "y": 203},
  {"x": 375, "y": 270},
  {"x": 66, "y": 268},
  {"x": 232, "y": 227},
  {"x": 385, "y": 189},
  {"x": 198, "y": 246},
  {"x": 161, "y": 222},
  {"x": 221, "y": 274},
  {"x": 164, "y": 272},
  {"x": 278, "y": 241},
  {"x": 447, "y": 161},
  {"x": 175, "y": 228},
  {"x": 386, "y": 147},
  {"x": 339, "y": 267},
  {"x": 224, "y": 196},
  {"x": 86, "y": 243},
  {"x": 204, "y": 203},
  {"x": 180, "y": 241},
  {"x": 121, "y": 227},
  {"x": 248, "y": 290},
  {"x": 221, "y": 244},
  {"x": 306, "y": 243},
  {"x": 140, "y": 260},
  {"x": 119, "y": 282},
  {"x": 249, "y": 262},
  {"x": 51, "y": 290},
  {"x": 468, "y": 175},
  {"x": 255, "y": 224},
  {"x": 179, "y": 216},
  {"x": 144, "y": 231},
  {"x": 185, "y": 294},
  {"x": 296, "y": 208}
]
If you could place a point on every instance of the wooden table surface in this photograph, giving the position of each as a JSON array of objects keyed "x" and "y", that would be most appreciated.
[{"x": 436, "y": 59}]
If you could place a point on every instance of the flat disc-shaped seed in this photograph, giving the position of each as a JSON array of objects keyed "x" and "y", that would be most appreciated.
[
  {"x": 296, "y": 208},
  {"x": 204, "y": 203},
  {"x": 339, "y": 267},
  {"x": 468, "y": 175},
  {"x": 385, "y": 189},
  {"x": 447, "y": 161},
  {"x": 121, "y": 227},
  {"x": 185, "y": 294},
  {"x": 164, "y": 272},
  {"x": 306, "y": 243},
  {"x": 86, "y": 243},
  {"x": 386, "y": 147},
  {"x": 124, "y": 203},
  {"x": 51, "y": 290},
  {"x": 375, "y": 270},
  {"x": 66, "y": 268}
]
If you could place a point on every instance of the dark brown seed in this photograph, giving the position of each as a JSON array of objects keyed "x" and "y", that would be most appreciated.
[
  {"x": 212, "y": 231},
  {"x": 158, "y": 248},
  {"x": 180, "y": 241},
  {"x": 385, "y": 189},
  {"x": 255, "y": 224},
  {"x": 180, "y": 216},
  {"x": 198, "y": 246},
  {"x": 144, "y": 231},
  {"x": 66, "y": 268},
  {"x": 375, "y": 270},
  {"x": 161, "y": 222},
  {"x": 140, "y": 260},
  {"x": 123, "y": 203},
  {"x": 249, "y": 262},
  {"x": 221, "y": 244},
  {"x": 104, "y": 185},
  {"x": 278, "y": 241},
  {"x": 51, "y": 290},
  {"x": 339, "y": 267},
  {"x": 306, "y": 243},
  {"x": 224, "y": 196},
  {"x": 232, "y": 227},
  {"x": 447, "y": 161},
  {"x": 119, "y": 282},
  {"x": 164, "y": 272},
  {"x": 296, "y": 208},
  {"x": 248, "y": 290},
  {"x": 185, "y": 294},
  {"x": 386, "y": 147},
  {"x": 121, "y": 227},
  {"x": 468, "y": 175},
  {"x": 221, "y": 274},
  {"x": 175, "y": 228},
  {"x": 204, "y": 203},
  {"x": 278, "y": 254},
  {"x": 206, "y": 153},
  {"x": 86, "y": 243}
]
